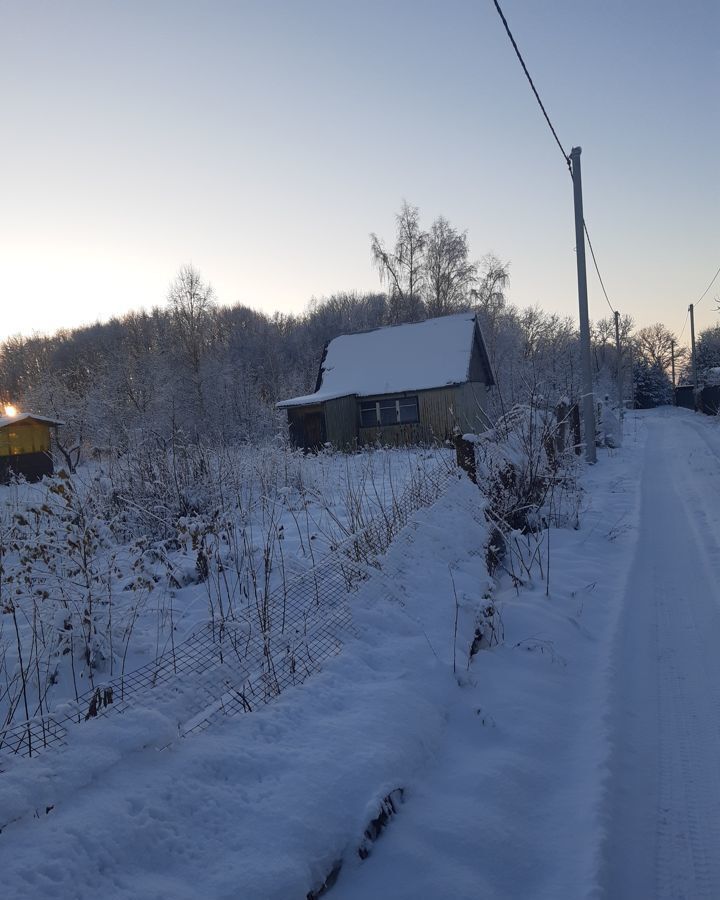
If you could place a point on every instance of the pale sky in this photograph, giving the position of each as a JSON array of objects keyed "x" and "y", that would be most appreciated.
[{"x": 263, "y": 140}]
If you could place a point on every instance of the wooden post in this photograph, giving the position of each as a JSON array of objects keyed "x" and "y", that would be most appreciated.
[
  {"x": 672, "y": 357},
  {"x": 561, "y": 415},
  {"x": 588, "y": 401},
  {"x": 465, "y": 456},
  {"x": 691, "y": 310},
  {"x": 619, "y": 371},
  {"x": 576, "y": 431}
]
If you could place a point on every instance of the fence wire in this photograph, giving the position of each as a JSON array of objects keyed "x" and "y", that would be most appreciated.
[{"x": 233, "y": 666}]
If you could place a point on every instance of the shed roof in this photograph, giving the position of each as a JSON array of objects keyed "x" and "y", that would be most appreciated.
[
  {"x": 420, "y": 356},
  {"x": 24, "y": 417}
]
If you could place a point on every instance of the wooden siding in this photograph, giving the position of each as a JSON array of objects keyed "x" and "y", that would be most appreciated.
[
  {"x": 341, "y": 422},
  {"x": 296, "y": 422},
  {"x": 441, "y": 411},
  {"x": 472, "y": 407},
  {"x": 398, "y": 435}
]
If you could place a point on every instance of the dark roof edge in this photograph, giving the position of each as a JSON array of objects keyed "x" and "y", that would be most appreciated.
[{"x": 478, "y": 336}]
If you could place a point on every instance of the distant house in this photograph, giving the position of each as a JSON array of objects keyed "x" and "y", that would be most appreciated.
[
  {"x": 403, "y": 384},
  {"x": 25, "y": 446}
]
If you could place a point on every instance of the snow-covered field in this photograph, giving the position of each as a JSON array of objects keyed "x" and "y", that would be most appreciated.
[
  {"x": 548, "y": 764},
  {"x": 107, "y": 570}
]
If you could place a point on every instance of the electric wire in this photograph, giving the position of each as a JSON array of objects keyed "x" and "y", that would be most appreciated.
[
  {"x": 557, "y": 141},
  {"x": 687, "y": 316},
  {"x": 532, "y": 85},
  {"x": 708, "y": 287},
  {"x": 597, "y": 269}
]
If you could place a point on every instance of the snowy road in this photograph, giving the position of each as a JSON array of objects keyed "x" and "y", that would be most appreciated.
[{"x": 664, "y": 786}]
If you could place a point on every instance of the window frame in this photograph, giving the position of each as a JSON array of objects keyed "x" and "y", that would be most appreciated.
[{"x": 367, "y": 406}]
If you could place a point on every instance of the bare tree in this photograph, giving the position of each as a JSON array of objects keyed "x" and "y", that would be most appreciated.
[
  {"x": 403, "y": 267},
  {"x": 192, "y": 303},
  {"x": 449, "y": 275},
  {"x": 490, "y": 301},
  {"x": 494, "y": 275},
  {"x": 654, "y": 345}
]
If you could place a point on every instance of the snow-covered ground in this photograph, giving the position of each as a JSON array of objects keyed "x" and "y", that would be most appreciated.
[
  {"x": 259, "y": 519},
  {"x": 663, "y": 816},
  {"x": 576, "y": 758}
]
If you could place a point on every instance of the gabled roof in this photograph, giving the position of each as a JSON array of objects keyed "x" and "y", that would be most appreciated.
[
  {"x": 416, "y": 357},
  {"x": 24, "y": 417}
]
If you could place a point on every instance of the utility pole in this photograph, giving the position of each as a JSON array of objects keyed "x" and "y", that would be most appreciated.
[
  {"x": 672, "y": 357},
  {"x": 588, "y": 401},
  {"x": 619, "y": 372},
  {"x": 691, "y": 310}
]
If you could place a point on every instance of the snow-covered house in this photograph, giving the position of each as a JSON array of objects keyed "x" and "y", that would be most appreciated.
[
  {"x": 25, "y": 445},
  {"x": 402, "y": 384}
]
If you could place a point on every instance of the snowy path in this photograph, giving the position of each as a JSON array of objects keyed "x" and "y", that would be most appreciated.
[{"x": 664, "y": 786}]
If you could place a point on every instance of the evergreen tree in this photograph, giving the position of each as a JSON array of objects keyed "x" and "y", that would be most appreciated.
[{"x": 652, "y": 385}]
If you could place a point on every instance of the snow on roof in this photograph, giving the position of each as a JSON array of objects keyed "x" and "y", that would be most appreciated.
[
  {"x": 390, "y": 360},
  {"x": 22, "y": 417}
]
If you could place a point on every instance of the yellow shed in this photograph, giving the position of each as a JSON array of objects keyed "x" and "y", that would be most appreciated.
[{"x": 25, "y": 446}]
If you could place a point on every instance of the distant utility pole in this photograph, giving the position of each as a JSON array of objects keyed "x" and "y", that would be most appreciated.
[
  {"x": 691, "y": 310},
  {"x": 588, "y": 401},
  {"x": 619, "y": 373},
  {"x": 672, "y": 358}
]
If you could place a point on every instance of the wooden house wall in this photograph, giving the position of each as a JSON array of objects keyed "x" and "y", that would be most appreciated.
[
  {"x": 342, "y": 420},
  {"x": 296, "y": 417},
  {"x": 438, "y": 411},
  {"x": 24, "y": 437},
  {"x": 442, "y": 412},
  {"x": 472, "y": 407},
  {"x": 339, "y": 418}
]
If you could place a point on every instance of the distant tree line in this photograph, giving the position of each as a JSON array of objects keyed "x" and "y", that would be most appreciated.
[{"x": 200, "y": 371}]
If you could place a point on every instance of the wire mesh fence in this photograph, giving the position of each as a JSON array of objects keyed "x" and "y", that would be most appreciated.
[{"x": 235, "y": 665}]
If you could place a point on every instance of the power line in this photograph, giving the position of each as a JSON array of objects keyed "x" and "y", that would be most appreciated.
[
  {"x": 532, "y": 85},
  {"x": 702, "y": 296},
  {"x": 557, "y": 141},
  {"x": 687, "y": 316},
  {"x": 592, "y": 253},
  {"x": 708, "y": 287}
]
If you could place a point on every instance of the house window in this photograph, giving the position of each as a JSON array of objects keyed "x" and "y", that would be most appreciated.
[
  {"x": 368, "y": 415},
  {"x": 389, "y": 412},
  {"x": 408, "y": 410}
]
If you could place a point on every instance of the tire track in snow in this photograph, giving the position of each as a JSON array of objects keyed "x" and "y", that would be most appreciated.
[{"x": 664, "y": 791}]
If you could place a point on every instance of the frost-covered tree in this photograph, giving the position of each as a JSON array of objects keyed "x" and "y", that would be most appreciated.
[
  {"x": 403, "y": 267},
  {"x": 652, "y": 385},
  {"x": 449, "y": 274},
  {"x": 192, "y": 303},
  {"x": 707, "y": 350}
]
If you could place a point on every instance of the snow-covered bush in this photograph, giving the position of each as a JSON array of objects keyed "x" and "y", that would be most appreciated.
[{"x": 526, "y": 468}]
